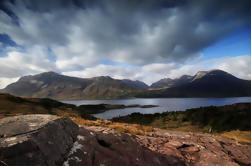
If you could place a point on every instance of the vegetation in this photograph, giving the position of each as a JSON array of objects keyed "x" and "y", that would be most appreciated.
[
  {"x": 232, "y": 121},
  {"x": 240, "y": 136},
  {"x": 207, "y": 119},
  {"x": 122, "y": 127}
]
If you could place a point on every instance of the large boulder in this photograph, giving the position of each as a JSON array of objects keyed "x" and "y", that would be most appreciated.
[{"x": 36, "y": 140}]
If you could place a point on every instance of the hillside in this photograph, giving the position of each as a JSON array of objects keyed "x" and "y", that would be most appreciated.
[
  {"x": 12, "y": 105},
  {"x": 54, "y": 85},
  {"x": 213, "y": 83}
]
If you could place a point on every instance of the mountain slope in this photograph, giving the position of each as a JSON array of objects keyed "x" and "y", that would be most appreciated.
[
  {"x": 214, "y": 83},
  {"x": 47, "y": 84},
  {"x": 53, "y": 85},
  {"x": 106, "y": 88},
  {"x": 136, "y": 84},
  {"x": 12, "y": 106},
  {"x": 168, "y": 82}
]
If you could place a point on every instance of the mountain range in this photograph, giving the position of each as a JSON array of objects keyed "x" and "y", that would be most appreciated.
[
  {"x": 54, "y": 85},
  {"x": 213, "y": 83}
]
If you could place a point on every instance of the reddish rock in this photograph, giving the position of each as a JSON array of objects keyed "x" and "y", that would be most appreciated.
[
  {"x": 105, "y": 147},
  {"x": 200, "y": 149},
  {"x": 101, "y": 146}
]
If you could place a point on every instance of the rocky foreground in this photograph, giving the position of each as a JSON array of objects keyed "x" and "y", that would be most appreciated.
[
  {"x": 36, "y": 140},
  {"x": 50, "y": 140}
]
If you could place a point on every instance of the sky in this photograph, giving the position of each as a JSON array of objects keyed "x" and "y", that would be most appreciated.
[{"x": 143, "y": 40}]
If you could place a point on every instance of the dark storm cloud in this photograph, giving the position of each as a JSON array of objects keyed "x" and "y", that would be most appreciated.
[{"x": 130, "y": 31}]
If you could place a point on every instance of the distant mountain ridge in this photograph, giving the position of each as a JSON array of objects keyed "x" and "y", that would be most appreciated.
[
  {"x": 54, "y": 85},
  {"x": 213, "y": 83}
]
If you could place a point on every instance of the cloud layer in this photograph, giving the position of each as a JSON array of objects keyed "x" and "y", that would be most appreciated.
[{"x": 91, "y": 38}]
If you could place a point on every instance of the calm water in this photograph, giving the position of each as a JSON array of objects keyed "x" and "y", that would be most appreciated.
[{"x": 165, "y": 104}]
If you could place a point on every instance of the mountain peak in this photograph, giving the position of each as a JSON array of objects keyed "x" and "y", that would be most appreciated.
[
  {"x": 199, "y": 75},
  {"x": 102, "y": 78},
  {"x": 168, "y": 82},
  {"x": 51, "y": 73},
  {"x": 185, "y": 77},
  {"x": 218, "y": 72}
]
